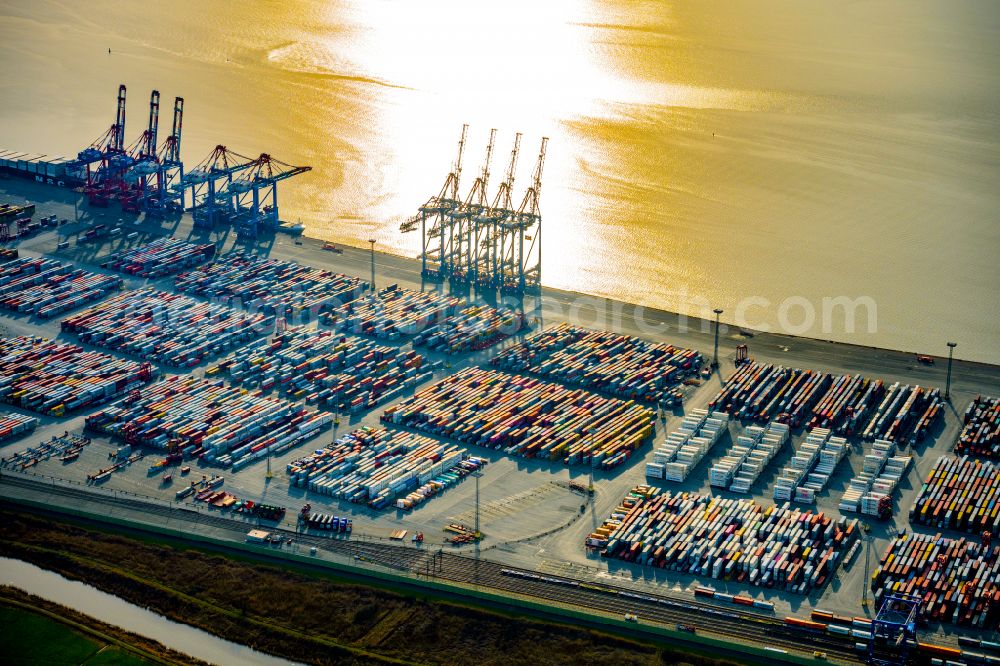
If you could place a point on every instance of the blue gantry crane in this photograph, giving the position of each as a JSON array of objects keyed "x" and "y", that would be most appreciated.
[
  {"x": 105, "y": 159},
  {"x": 894, "y": 631},
  {"x": 208, "y": 182},
  {"x": 169, "y": 193},
  {"x": 140, "y": 174},
  {"x": 254, "y": 192}
]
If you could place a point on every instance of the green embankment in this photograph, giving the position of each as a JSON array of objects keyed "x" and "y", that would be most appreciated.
[{"x": 308, "y": 616}]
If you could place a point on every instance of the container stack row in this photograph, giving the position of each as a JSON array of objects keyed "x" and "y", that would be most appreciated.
[
  {"x": 329, "y": 370},
  {"x": 960, "y": 494},
  {"x": 47, "y": 287},
  {"x": 871, "y": 491},
  {"x": 905, "y": 414},
  {"x": 528, "y": 417},
  {"x": 764, "y": 392},
  {"x": 393, "y": 313},
  {"x": 733, "y": 539},
  {"x": 166, "y": 328},
  {"x": 15, "y": 425},
  {"x": 743, "y": 464},
  {"x": 685, "y": 447},
  {"x": 379, "y": 466},
  {"x": 208, "y": 419},
  {"x": 54, "y": 378},
  {"x": 163, "y": 256},
  {"x": 958, "y": 579},
  {"x": 271, "y": 286},
  {"x": 810, "y": 469},
  {"x": 621, "y": 365},
  {"x": 471, "y": 329},
  {"x": 980, "y": 434},
  {"x": 8, "y": 253},
  {"x": 845, "y": 404}
]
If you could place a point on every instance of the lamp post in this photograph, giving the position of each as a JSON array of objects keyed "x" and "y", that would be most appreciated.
[
  {"x": 372, "y": 241},
  {"x": 715, "y": 356},
  {"x": 947, "y": 386}
]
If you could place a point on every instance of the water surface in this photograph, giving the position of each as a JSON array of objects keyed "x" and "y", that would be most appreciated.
[{"x": 701, "y": 153}]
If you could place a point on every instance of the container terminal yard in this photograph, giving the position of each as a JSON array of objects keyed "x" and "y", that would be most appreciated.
[{"x": 223, "y": 381}]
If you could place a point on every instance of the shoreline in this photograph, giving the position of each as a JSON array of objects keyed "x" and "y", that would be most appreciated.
[
  {"x": 694, "y": 321},
  {"x": 410, "y": 269}
]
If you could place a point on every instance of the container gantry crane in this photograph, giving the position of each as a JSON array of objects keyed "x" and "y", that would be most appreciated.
[
  {"x": 461, "y": 263},
  {"x": 522, "y": 271},
  {"x": 894, "y": 631},
  {"x": 169, "y": 194},
  {"x": 108, "y": 154},
  {"x": 493, "y": 245},
  {"x": 141, "y": 173},
  {"x": 500, "y": 213},
  {"x": 208, "y": 182},
  {"x": 436, "y": 211},
  {"x": 254, "y": 194}
]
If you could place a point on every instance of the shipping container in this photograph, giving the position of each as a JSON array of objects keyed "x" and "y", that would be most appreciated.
[
  {"x": 980, "y": 434},
  {"x": 55, "y": 378},
  {"x": 166, "y": 328},
  {"x": 620, "y": 365},
  {"x": 730, "y": 539},
  {"x": 958, "y": 579},
  {"x": 164, "y": 256},
  {"x": 283, "y": 289},
  {"x": 393, "y": 313},
  {"x": 960, "y": 494},
  {"x": 527, "y": 417}
]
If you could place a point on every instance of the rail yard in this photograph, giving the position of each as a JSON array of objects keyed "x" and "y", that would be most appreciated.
[{"x": 211, "y": 384}]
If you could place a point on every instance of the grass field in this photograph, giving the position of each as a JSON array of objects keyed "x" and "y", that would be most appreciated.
[
  {"x": 29, "y": 639},
  {"x": 308, "y": 617}
]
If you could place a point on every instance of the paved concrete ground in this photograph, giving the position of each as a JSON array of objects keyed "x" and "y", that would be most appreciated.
[{"x": 522, "y": 499}]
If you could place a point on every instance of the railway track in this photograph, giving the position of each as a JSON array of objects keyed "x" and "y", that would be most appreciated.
[{"x": 444, "y": 566}]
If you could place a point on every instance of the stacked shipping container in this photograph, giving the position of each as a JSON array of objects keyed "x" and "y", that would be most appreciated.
[
  {"x": 164, "y": 327},
  {"x": 164, "y": 256},
  {"x": 772, "y": 546},
  {"x": 981, "y": 430},
  {"x": 47, "y": 287},
  {"x": 871, "y": 491},
  {"x": 845, "y": 404},
  {"x": 271, "y": 286},
  {"x": 745, "y": 461},
  {"x": 55, "y": 378},
  {"x": 393, "y": 312},
  {"x": 473, "y": 328},
  {"x": 527, "y": 417},
  {"x": 327, "y": 369},
  {"x": 810, "y": 469},
  {"x": 199, "y": 417},
  {"x": 621, "y": 365},
  {"x": 958, "y": 579},
  {"x": 15, "y": 425},
  {"x": 960, "y": 494},
  {"x": 378, "y": 465},
  {"x": 685, "y": 447}
]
